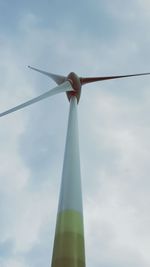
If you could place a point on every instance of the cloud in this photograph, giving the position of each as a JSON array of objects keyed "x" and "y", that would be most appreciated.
[{"x": 14, "y": 263}]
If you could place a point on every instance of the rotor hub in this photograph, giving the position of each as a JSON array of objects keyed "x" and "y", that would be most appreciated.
[{"x": 76, "y": 85}]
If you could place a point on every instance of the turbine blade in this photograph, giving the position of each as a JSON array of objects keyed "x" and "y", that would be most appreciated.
[
  {"x": 56, "y": 78},
  {"x": 96, "y": 79},
  {"x": 65, "y": 87}
]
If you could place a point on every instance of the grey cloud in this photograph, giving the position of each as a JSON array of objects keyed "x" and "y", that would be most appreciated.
[{"x": 6, "y": 248}]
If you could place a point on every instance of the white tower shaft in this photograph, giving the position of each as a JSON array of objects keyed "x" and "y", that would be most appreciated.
[{"x": 69, "y": 236}]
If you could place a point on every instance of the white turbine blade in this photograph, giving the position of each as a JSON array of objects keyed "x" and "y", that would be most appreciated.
[
  {"x": 57, "y": 78},
  {"x": 65, "y": 87}
]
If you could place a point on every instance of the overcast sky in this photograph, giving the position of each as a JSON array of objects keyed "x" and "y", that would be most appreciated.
[{"x": 91, "y": 37}]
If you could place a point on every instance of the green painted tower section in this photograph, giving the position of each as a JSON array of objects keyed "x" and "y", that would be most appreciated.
[{"x": 68, "y": 250}]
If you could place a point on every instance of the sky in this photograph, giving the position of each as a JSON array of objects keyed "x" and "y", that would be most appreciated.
[{"x": 91, "y": 38}]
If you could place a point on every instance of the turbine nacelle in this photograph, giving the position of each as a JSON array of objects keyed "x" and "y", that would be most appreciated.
[{"x": 76, "y": 85}]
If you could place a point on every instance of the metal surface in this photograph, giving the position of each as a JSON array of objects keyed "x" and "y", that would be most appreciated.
[
  {"x": 96, "y": 79},
  {"x": 76, "y": 85},
  {"x": 65, "y": 87},
  {"x": 59, "y": 79},
  {"x": 68, "y": 248}
]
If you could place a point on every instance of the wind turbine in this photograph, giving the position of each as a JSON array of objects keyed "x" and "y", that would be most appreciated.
[{"x": 69, "y": 250}]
